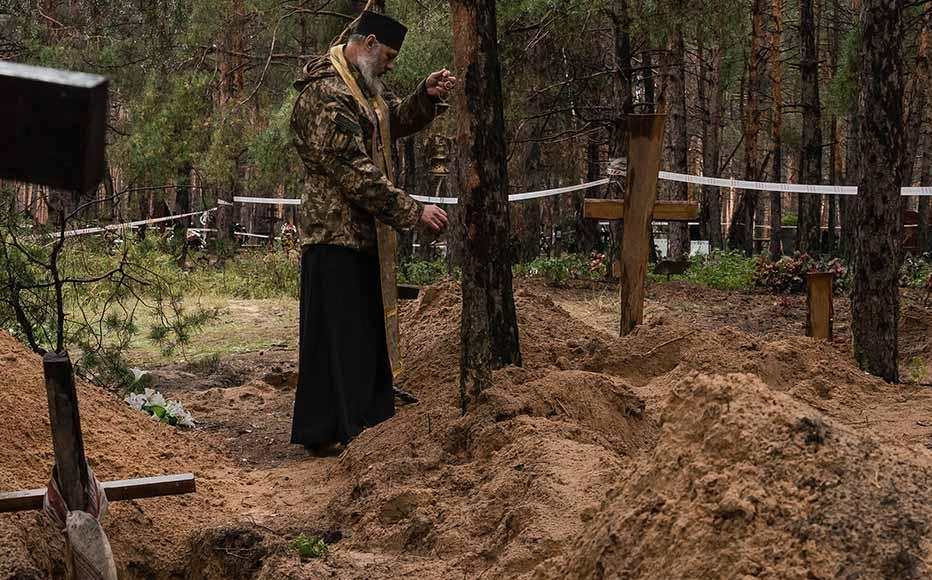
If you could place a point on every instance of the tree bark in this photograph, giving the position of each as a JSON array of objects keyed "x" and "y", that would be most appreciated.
[
  {"x": 408, "y": 147},
  {"x": 916, "y": 93},
  {"x": 531, "y": 209},
  {"x": 875, "y": 299},
  {"x": 741, "y": 232},
  {"x": 808, "y": 235},
  {"x": 489, "y": 327},
  {"x": 710, "y": 216},
  {"x": 623, "y": 89},
  {"x": 678, "y": 232},
  {"x": 776, "y": 197},
  {"x": 587, "y": 231},
  {"x": 926, "y": 177}
]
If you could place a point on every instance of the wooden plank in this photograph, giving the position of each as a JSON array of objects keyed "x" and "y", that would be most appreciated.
[
  {"x": 645, "y": 149},
  {"x": 613, "y": 209},
  {"x": 819, "y": 300},
  {"x": 54, "y": 126},
  {"x": 67, "y": 440},
  {"x": 116, "y": 491}
]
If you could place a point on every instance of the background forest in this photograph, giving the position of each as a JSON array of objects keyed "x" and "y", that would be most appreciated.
[{"x": 765, "y": 90}]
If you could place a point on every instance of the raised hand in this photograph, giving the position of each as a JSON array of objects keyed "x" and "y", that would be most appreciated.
[{"x": 440, "y": 83}]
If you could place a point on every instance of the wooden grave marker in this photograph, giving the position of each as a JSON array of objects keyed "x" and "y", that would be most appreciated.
[
  {"x": 55, "y": 122},
  {"x": 819, "y": 302},
  {"x": 639, "y": 208}
]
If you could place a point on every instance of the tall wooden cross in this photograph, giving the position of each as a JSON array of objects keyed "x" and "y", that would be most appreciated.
[
  {"x": 52, "y": 133},
  {"x": 638, "y": 209}
]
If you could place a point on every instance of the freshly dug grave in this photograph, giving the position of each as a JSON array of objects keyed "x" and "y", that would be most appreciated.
[
  {"x": 747, "y": 482},
  {"x": 148, "y": 537},
  {"x": 501, "y": 489},
  {"x": 518, "y": 487},
  {"x": 510, "y": 486}
]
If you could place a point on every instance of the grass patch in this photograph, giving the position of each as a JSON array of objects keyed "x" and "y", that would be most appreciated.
[{"x": 720, "y": 270}]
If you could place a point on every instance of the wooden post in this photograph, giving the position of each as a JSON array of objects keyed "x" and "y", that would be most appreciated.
[
  {"x": 819, "y": 300},
  {"x": 646, "y": 147},
  {"x": 68, "y": 443}
]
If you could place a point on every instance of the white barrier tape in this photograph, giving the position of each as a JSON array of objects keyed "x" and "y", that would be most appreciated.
[
  {"x": 760, "y": 185},
  {"x": 250, "y": 235},
  {"x": 269, "y": 200},
  {"x": 556, "y": 191},
  {"x": 924, "y": 191},
  {"x": 517, "y": 196},
  {"x": 436, "y": 200},
  {"x": 85, "y": 231}
]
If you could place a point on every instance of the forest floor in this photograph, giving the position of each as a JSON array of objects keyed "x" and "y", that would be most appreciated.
[{"x": 715, "y": 441}]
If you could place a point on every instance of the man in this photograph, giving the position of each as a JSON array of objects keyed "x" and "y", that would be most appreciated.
[{"x": 343, "y": 123}]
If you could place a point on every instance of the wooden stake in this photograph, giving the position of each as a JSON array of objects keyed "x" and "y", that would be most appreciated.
[
  {"x": 646, "y": 147},
  {"x": 819, "y": 300},
  {"x": 67, "y": 441}
]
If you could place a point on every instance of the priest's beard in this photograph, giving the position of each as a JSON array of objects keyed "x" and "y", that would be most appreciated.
[{"x": 367, "y": 65}]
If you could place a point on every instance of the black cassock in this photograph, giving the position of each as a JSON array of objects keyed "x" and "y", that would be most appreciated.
[{"x": 344, "y": 376}]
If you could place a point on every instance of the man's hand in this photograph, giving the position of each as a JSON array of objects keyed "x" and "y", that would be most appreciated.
[
  {"x": 440, "y": 83},
  {"x": 434, "y": 218}
]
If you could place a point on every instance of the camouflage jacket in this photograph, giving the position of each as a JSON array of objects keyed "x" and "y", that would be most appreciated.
[{"x": 344, "y": 190}]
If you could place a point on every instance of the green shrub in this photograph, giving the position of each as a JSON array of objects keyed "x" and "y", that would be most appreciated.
[
  {"x": 252, "y": 275},
  {"x": 557, "y": 271},
  {"x": 309, "y": 547},
  {"x": 421, "y": 272},
  {"x": 722, "y": 270},
  {"x": 790, "y": 219},
  {"x": 916, "y": 272}
]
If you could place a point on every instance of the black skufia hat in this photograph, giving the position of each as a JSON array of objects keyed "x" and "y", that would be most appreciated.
[{"x": 389, "y": 31}]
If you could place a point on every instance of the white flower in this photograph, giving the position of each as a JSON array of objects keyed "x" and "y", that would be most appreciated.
[
  {"x": 152, "y": 398},
  {"x": 136, "y": 401},
  {"x": 178, "y": 411},
  {"x": 155, "y": 398}
]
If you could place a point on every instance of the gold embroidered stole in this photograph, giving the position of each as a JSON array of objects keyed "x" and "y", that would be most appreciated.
[{"x": 381, "y": 152}]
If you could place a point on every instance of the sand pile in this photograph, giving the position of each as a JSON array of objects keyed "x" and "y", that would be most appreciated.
[
  {"x": 603, "y": 457},
  {"x": 501, "y": 489},
  {"x": 121, "y": 443},
  {"x": 658, "y": 355},
  {"x": 747, "y": 482},
  {"x": 553, "y": 454}
]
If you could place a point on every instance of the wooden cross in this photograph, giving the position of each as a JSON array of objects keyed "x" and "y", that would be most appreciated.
[
  {"x": 70, "y": 464},
  {"x": 639, "y": 208},
  {"x": 53, "y": 134}
]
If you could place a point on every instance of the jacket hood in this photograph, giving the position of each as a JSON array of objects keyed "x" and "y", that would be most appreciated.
[{"x": 319, "y": 67}]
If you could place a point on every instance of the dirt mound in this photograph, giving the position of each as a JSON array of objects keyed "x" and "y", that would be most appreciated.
[
  {"x": 503, "y": 488},
  {"x": 657, "y": 356},
  {"x": 120, "y": 443},
  {"x": 600, "y": 457},
  {"x": 747, "y": 482}
]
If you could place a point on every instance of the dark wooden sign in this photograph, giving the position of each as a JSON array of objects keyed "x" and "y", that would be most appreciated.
[{"x": 52, "y": 126}]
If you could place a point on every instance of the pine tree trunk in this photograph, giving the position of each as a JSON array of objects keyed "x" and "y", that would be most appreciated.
[
  {"x": 926, "y": 177},
  {"x": 531, "y": 209},
  {"x": 710, "y": 216},
  {"x": 587, "y": 230},
  {"x": 623, "y": 88},
  {"x": 916, "y": 99},
  {"x": 875, "y": 299},
  {"x": 678, "y": 232},
  {"x": 776, "y": 197},
  {"x": 489, "y": 327},
  {"x": 808, "y": 235}
]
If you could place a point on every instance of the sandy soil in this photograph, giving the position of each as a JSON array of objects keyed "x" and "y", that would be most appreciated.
[{"x": 713, "y": 442}]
